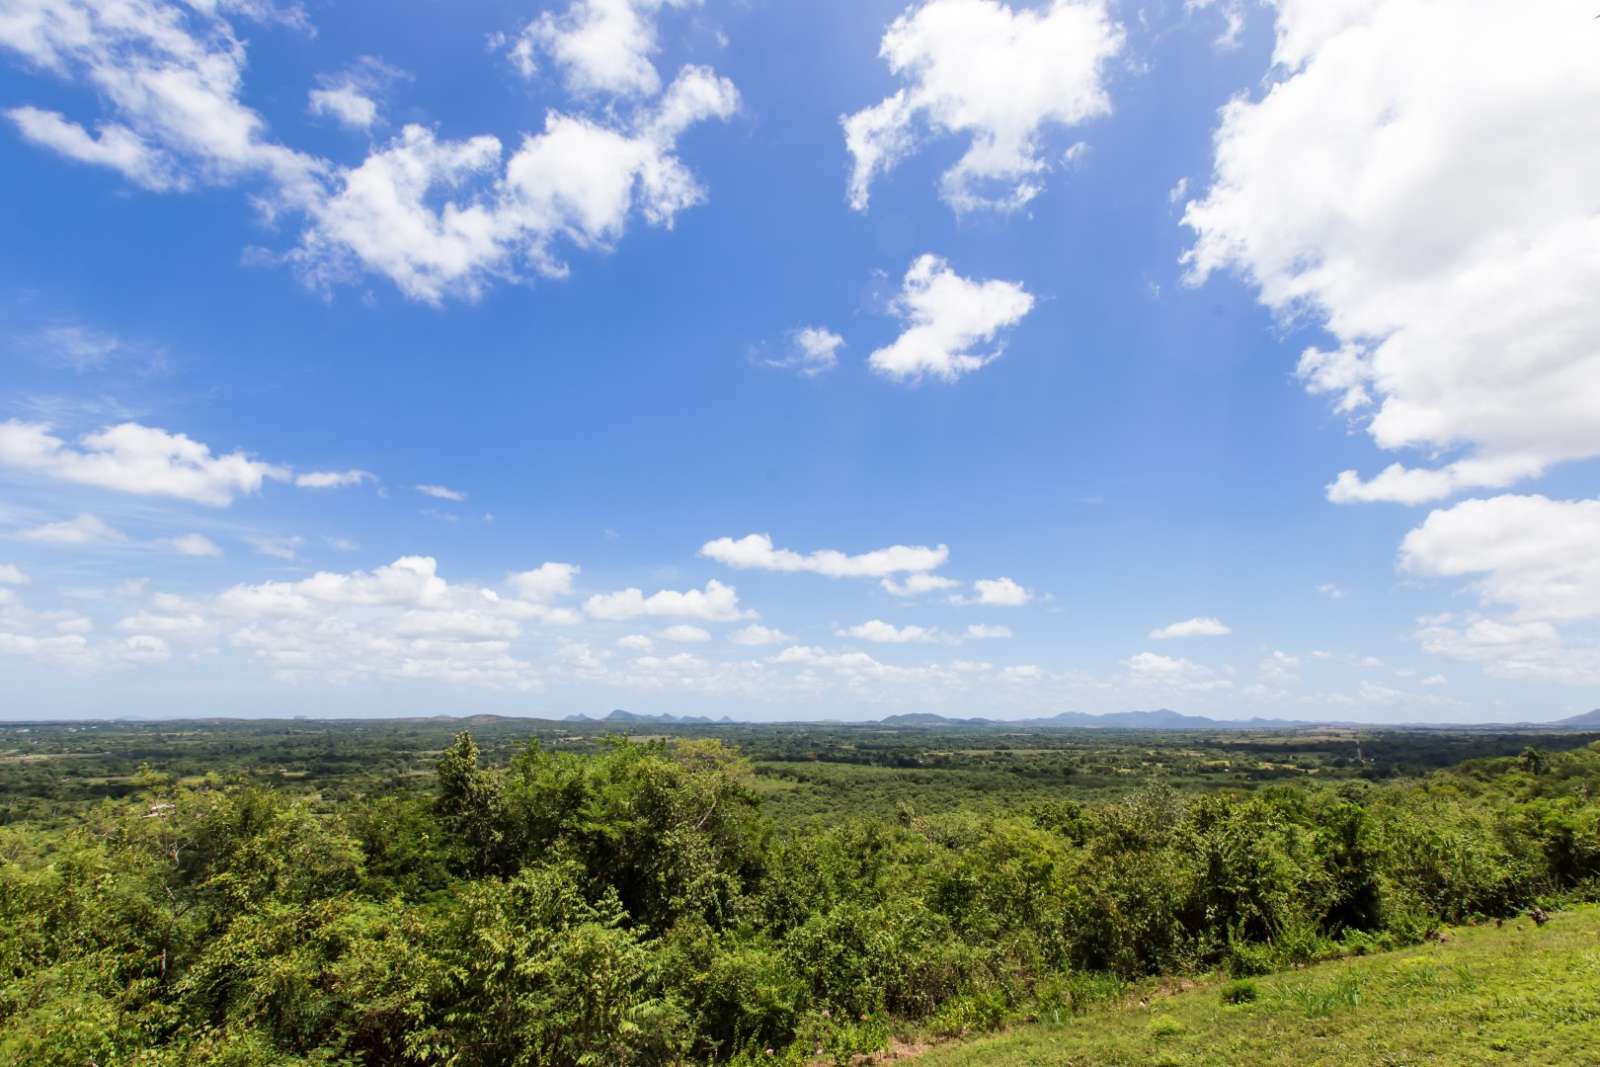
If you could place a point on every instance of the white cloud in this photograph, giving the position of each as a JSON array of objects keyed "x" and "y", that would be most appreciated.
[
  {"x": 993, "y": 73},
  {"x": 917, "y": 585},
  {"x": 111, "y": 145},
  {"x": 982, "y": 632},
  {"x": 1232, "y": 12},
  {"x": 1537, "y": 556},
  {"x": 86, "y": 529},
  {"x": 812, "y": 350},
  {"x": 756, "y": 635},
  {"x": 1533, "y": 557},
  {"x": 1280, "y": 669},
  {"x": 439, "y": 492},
  {"x": 445, "y": 218},
  {"x": 131, "y": 458},
  {"x": 400, "y": 621},
  {"x": 1147, "y": 670},
  {"x": 172, "y": 74},
  {"x": 600, "y": 46},
  {"x": 1331, "y": 591},
  {"x": 636, "y": 643},
  {"x": 1520, "y": 651},
  {"x": 545, "y": 583},
  {"x": 756, "y": 552},
  {"x": 345, "y": 104},
  {"x": 351, "y": 96},
  {"x": 1436, "y": 680},
  {"x": 877, "y": 630},
  {"x": 1420, "y": 183},
  {"x": 998, "y": 592},
  {"x": 946, "y": 317},
  {"x": 333, "y": 479},
  {"x": 11, "y": 574},
  {"x": 438, "y": 218},
  {"x": 193, "y": 544},
  {"x": 715, "y": 603},
  {"x": 286, "y": 548},
  {"x": 1198, "y": 627},
  {"x": 683, "y": 633}
]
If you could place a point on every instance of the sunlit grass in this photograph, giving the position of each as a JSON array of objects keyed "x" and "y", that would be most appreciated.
[{"x": 1517, "y": 994}]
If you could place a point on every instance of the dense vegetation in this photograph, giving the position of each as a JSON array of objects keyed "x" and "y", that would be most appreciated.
[{"x": 581, "y": 900}]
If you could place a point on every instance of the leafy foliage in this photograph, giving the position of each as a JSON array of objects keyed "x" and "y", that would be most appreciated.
[{"x": 630, "y": 903}]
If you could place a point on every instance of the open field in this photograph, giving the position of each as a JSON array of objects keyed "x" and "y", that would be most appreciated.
[{"x": 1486, "y": 995}]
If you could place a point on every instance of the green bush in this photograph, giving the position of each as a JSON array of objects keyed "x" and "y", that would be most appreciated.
[{"x": 1240, "y": 991}]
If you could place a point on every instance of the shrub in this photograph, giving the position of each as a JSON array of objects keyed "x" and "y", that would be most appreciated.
[{"x": 1240, "y": 991}]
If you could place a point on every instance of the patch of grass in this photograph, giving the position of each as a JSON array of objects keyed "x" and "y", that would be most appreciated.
[{"x": 1513, "y": 995}]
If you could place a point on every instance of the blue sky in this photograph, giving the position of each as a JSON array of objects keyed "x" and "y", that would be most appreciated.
[{"x": 994, "y": 359}]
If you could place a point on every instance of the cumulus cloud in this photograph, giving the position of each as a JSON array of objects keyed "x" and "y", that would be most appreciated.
[
  {"x": 715, "y": 603},
  {"x": 756, "y": 552},
  {"x": 1280, "y": 669},
  {"x": 545, "y": 583},
  {"x": 333, "y": 479},
  {"x": 344, "y": 104},
  {"x": 917, "y": 585},
  {"x": 983, "y": 632},
  {"x": 399, "y": 621},
  {"x": 995, "y": 74},
  {"x": 131, "y": 458},
  {"x": 351, "y": 97},
  {"x": 600, "y": 46},
  {"x": 998, "y": 592},
  {"x": 1536, "y": 556},
  {"x": 636, "y": 643},
  {"x": 86, "y": 529},
  {"x": 1530, "y": 556},
  {"x": 111, "y": 145},
  {"x": 11, "y": 574},
  {"x": 1421, "y": 186},
  {"x": 579, "y": 181},
  {"x": 1197, "y": 627},
  {"x": 684, "y": 633},
  {"x": 62, "y": 639},
  {"x": 756, "y": 635},
  {"x": 946, "y": 318},
  {"x": 884, "y": 633},
  {"x": 193, "y": 544},
  {"x": 440, "y": 218},
  {"x": 172, "y": 74},
  {"x": 809, "y": 351},
  {"x": 1148, "y": 670}
]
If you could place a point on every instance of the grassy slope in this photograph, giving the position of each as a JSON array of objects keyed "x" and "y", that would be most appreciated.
[{"x": 1520, "y": 994}]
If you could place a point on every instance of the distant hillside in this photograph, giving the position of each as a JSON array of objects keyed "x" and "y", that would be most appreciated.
[
  {"x": 621, "y": 716},
  {"x": 1159, "y": 719},
  {"x": 1588, "y": 720}
]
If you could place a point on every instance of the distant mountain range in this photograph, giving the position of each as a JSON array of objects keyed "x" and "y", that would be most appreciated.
[
  {"x": 1167, "y": 719},
  {"x": 1159, "y": 719},
  {"x": 665, "y": 720}
]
